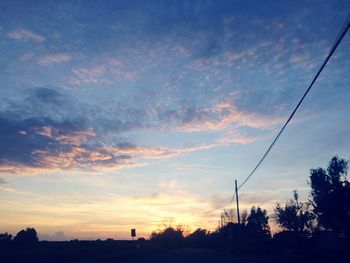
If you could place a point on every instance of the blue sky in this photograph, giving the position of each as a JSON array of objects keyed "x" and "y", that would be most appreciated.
[{"x": 119, "y": 114}]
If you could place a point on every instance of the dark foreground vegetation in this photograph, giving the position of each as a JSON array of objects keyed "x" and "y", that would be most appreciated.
[
  {"x": 270, "y": 250},
  {"x": 314, "y": 231}
]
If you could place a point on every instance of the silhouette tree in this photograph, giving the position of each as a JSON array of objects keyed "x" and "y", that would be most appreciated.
[
  {"x": 5, "y": 239},
  {"x": 184, "y": 229},
  {"x": 198, "y": 238},
  {"x": 258, "y": 223},
  {"x": 330, "y": 192},
  {"x": 169, "y": 237},
  {"x": 26, "y": 237},
  {"x": 199, "y": 233},
  {"x": 294, "y": 216}
]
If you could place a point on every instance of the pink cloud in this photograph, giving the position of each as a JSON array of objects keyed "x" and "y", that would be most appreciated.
[
  {"x": 226, "y": 115},
  {"x": 234, "y": 137},
  {"x": 158, "y": 152},
  {"x": 111, "y": 71},
  {"x": 94, "y": 75},
  {"x": 79, "y": 155},
  {"x": 55, "y": 58},
  {"x": 46, "y": 131},
  {"x": 76, "y": 138},
  {"x": 22, "y": 34}
]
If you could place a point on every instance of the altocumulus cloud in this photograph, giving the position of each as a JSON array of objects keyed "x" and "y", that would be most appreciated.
[
  {"x": 36, "y": 134},
  {"x": 48, "y": 130},
  {"x": 55, "y": 58},
  {"x": 23, "y": 34}
]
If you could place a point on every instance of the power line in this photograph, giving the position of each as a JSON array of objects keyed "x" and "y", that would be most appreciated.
[
  {"x": 332, "y": 50},
  {"x": 341, "y": 30}
]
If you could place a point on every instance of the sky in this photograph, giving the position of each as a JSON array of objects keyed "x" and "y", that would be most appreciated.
[{"x": 122, "y": 114}]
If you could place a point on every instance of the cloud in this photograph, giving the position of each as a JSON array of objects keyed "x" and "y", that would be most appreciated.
[
  {"x": 47, "y": 95},
  {"x": 58, "y": 236},
  {"x": 223, "y": 119},
  {"x": 34, "y": 144},
  {"x": 236, "y": 138},
  {"x": 36, "y": 134},
  {"x": 23, "y": 34},
  {"x": 55, "y": 58},
  {"x": 93, "y": 75},
  {"x": 110, "y": 71},
  {"x": 49, "y": 131},
  {"x": 2, "y": 181},
  {"x": 157, "y": 152},
  {"x": 42, "y": 143},
  {"x": 223, "y": 115}
]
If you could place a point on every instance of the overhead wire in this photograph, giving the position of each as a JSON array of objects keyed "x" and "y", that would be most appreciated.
[{"x": 336, "y": 43}]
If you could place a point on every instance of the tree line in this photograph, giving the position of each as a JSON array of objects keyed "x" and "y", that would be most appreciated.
[{"x": 326, "y": 210}]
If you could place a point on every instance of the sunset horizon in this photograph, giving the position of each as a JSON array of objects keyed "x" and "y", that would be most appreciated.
[{"x": 120, "y": 115}]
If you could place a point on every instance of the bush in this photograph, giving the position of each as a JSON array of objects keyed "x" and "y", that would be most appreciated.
[
  {"x": 169, "y": 238},
  {"x": 26, "y": 238}
]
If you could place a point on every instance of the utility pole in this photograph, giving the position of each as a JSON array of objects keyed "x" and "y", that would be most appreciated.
[
  {"x": 221, "y": 220},
  {"x": 238, "y": 216}
]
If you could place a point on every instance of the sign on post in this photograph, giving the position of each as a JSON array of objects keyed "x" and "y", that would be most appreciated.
[{"x": 133, "y": 233}]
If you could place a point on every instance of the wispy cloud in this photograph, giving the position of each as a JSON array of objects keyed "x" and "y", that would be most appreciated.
[
  {"x": 93, "y": 75},
  {"x": 55, "y": 58},
  {"x": 236, "y": 138},
  {"x": 109, "y": 71},
  {"x": 162, "y": 152},
  {"x": 65, "y": 139},
  {"x": 23, "y": 34},
  {"x": 224, "y": 115}
]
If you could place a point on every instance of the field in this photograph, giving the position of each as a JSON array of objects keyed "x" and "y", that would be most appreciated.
[{"x": 146, "y": 251}]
